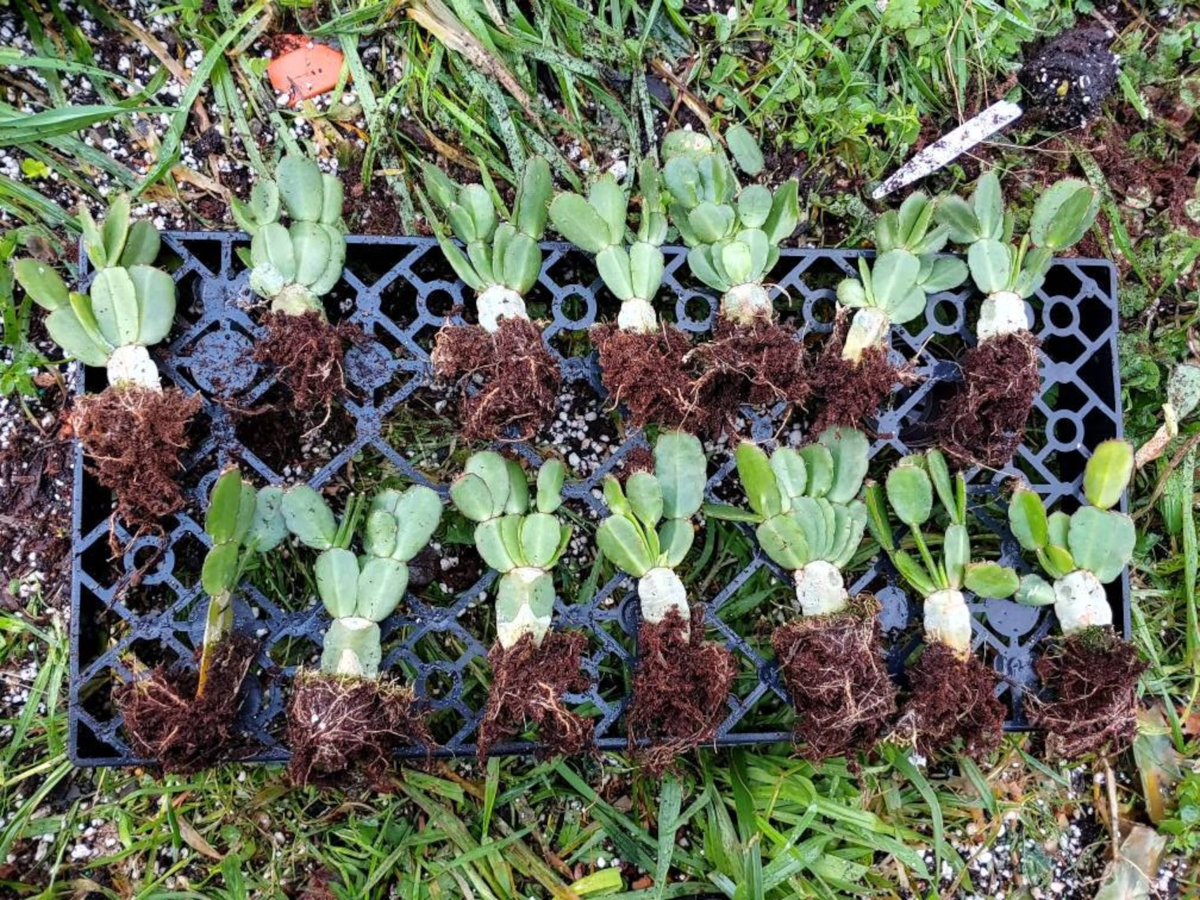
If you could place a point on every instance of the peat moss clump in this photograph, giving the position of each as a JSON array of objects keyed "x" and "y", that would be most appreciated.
[
  {"x": 985, "y": 421},
  {"x": 134, "y": 439},
  {"x": 848, "y": 393},
  {"x": 307, "y": 355},
  {"x": 757, "y": 362},
  {"x": 834, "y": 670},
  {"x": 339, "y": 725},
  {"x": 508, "y": 377},
  {"x": 182, "y": 729},
  {"x": 953, "y": 705},
  {"x": 1089, "y": 699},
  {"x": 647, "y": 372},
  {"x": 680, "y": 689},
  {"x": 528, "y": 683}
]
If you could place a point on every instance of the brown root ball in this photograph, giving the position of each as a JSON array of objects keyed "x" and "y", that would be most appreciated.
[
  {"x": 834, "y": 669},
  {"x": 135, "y": 439},
  {"x": 647, "y": 373},
  {"x": 181, "y": 731},
  {"x": 1090, "y": 699},
  {"x": 984, "y": 421},
  {"x": 528, "y": 682},
  {"x": 307, "y": 353},
  {"x": 680, "y": 689},
  {"x": 953, "y": 705},
  {"x": 338, "y": 726},
  {"x": 518, "y": 377},
  {"x": 756, "y": 364},
  {"x": 848, "y": 394}
]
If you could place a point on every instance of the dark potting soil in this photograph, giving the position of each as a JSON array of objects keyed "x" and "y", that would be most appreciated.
[
  {"x": 984, "y": 420},
  {"x": 134, "y": 439},
  {"x": 680, "y": 689},
  {"x": 528, "y": 682},
  {"x": 170, "y": 723},
  {"x": 518, "y": 377},
  {"x": 307, "y": 353},
  {"x": 757, "y": 364},
  {"x": 952, "y": 706},
  {"x": 342, "y": 726},
  {"x": 647, "y": 373},
  {"x": 835, "y": 671},
  {"x": 1068, "y": 79},
  {"x": 846, "y": 394},
  {"x": 1089, "y": 699}
]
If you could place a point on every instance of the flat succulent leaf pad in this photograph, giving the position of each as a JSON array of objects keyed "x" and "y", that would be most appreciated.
[{"x": 400, "y": 292}]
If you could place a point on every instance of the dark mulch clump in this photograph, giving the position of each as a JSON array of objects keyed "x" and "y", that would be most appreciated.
[
  {"x": 307, "y": 353},
  {"x": 337, "y": 726},
  {"x": 984, "y": 421},
  {"x": 1080, "y": 60},
  {"x": 519, "y": 376},
  {"x": 183, "y": 731},
  {"x": 834, "y": 669},
  {"x": 135, "y": 438},
  {"x": 680, "y": 689},
  {"x": 754, "y": 364},
  {"x": 528, "y": 682},
  {"x": 1090, "y": 702},
  {"x": 647, "y": 373},
  {"x": 953, "y": 705}
]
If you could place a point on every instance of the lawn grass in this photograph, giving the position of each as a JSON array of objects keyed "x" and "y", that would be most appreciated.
[{"x": 836, "y": 104}]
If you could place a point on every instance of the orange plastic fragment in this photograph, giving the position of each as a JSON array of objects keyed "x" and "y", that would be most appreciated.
[{"x": 304, "y": 68}]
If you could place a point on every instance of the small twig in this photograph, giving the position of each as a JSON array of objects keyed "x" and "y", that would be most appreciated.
[{"x": 1174, "y": 464}]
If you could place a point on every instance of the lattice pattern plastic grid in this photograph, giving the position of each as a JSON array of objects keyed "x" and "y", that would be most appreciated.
[{"x": 399, "y": 291}]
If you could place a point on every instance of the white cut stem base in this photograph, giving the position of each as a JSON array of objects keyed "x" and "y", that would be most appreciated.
[
  {"x": 1002, "y": 313},
  {"x": 868, "y": 328},
  {"x": 638, "y": 316},
  {"x": 1080, "y": 602},
  {"x": 820, "y": 590},
  {"x": 743, "y": 303},
  {"x": 661, "y": 591},
  {"x": 499, "y": 302},
  {"x": 132, "y": 365},
  {"x": 948, "y": 621}
]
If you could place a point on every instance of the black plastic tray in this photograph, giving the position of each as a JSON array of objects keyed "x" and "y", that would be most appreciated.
[{"x": 147, "y": 600}]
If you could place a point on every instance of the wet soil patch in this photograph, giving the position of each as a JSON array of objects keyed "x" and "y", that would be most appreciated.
[
  {"x": 680, "y": 690},
  {"x": 984, "y": 421},
  {"x": 1066, "y": 81},
  {"x": 846, "y": 394},
  {"x": 835, "y": 671},
  {"x": 307, "y": 354},
  {"x": 757, "y": 364},
  {"x": 283, "y": 437},
  {"x": 1089, "y": 701},
  {"x": 35, "y": 504},
  {"x": 516, "y": 379},
  {"x": 528, "y": 682},
  {"x": 134, "y": 439},
  {"x": 180, "y": 730},
  {"x": 647, "y": 373},
  {"x": 953, "y": 706},
  {"x": 341, "y": 726}
]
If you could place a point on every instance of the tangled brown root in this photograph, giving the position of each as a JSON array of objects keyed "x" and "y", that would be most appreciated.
[
  {"x": 528, "y": 682},
  {"x": 307, "y": 353},
  {"x": 952, "y": 699},
  {"x": 135, "y": 438},
  {"x": 985, "y": 420},
  {"x": 680, "y": 689},
  {"x": 834, "y": 669},
  {"x": 848, "y": 394},
  {"x": 181, "y": 731},
  {"x": 1090, "y": 682},
  {"x": 754, "y": 364},
  {"x": 647, "y": 373},
  {"x": 338, "y": 726},
  {"x": 520, "y": 378}
]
